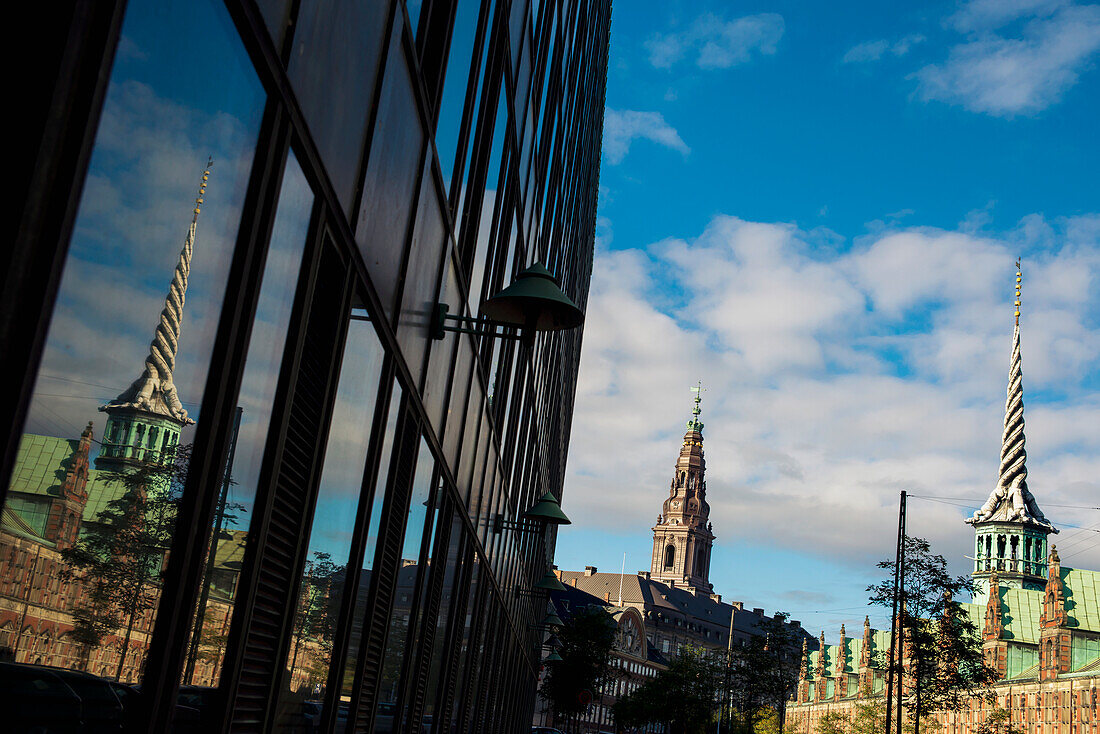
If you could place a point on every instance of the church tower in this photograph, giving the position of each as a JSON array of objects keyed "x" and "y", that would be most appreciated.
[
  {"x": 1010, "y": 530},
  {"x": 144, "y": 422},
  {"x": 682, "y": 537}
]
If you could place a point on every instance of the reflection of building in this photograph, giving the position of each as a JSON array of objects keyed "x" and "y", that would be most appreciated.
[
  {"x": 672, "y": 606},
  {"x": 54, "y": 495},
  {"x": 381, "y": 158},
  {"x": 1039, "y": 622}
]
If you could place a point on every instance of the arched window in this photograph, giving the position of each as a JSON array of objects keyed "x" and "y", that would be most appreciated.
[{"x": 670, "y": 555}]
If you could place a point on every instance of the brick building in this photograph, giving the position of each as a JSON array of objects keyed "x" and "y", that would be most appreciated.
[{"x": 1039, "y": 621}]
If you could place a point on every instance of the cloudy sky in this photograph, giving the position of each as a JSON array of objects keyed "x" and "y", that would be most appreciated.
[{"x": 815, "y": 210}]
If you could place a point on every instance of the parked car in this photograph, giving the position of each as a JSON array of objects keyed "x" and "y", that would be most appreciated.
[
  {"x": 185, "y": 719},
  {"x": 35, "y": 699},
  {"x": 100, "y": 709}
]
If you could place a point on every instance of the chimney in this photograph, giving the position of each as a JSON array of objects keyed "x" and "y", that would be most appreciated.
[
  {"x": 758, "y": 611},
  {"x": 589, "y": 570},
  {"x": 607, "y": 597},
  {"x": 557, "y": 572},
  {"x": 644, "y": 575},
  {"x": 796, "y": 624},
  {"x": 574, "y": 581},
  {"x": 737, "y": 605}
]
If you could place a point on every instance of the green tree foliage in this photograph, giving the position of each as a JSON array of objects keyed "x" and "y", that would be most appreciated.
[
  {"x": 867, "y": 716},
  {"x": 942, "y": 664},
  {"x": 761, "y": 674},
  {"x": 587, "y": 639},
  {"x": 682, "y": 697},
  {"x": 120, "y": 554},
  {"x": 314, "y": 618},
  {"x": 999, "y": 722}
]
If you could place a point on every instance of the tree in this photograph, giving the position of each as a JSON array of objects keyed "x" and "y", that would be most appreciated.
[
  {"x": 762, "y": 673},
  {"x": 999, "y": 722},
  {"x": 942, "y": 651},
  {"x": 867, "y": 716},
  {"x": 120, "y": 553},
  {"x": 315, "y": 617},
  {"x": 682, "y": 696},
  {"x": 587, "y": 639}
]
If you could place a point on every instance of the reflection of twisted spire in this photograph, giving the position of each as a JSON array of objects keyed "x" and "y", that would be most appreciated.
[{"x": 155, "y": 391}]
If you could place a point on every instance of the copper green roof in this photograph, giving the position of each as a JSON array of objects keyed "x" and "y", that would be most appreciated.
[
  {"x": 1082, "y": 598},
  {"x": 41, "y": 463}
]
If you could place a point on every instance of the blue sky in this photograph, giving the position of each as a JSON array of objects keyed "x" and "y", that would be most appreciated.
[{"x": 815, "y": 209}]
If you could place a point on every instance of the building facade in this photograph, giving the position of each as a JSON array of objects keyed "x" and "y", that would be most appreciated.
[
  {"x": 327, "y": 452},
  {"x": 671, "y": 607},
  {"x": 1039, "y": 621}
]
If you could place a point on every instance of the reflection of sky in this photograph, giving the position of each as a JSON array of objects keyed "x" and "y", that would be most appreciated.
[
  {"x": 265, "y": 350},
  {"x": 349, "y": 438},
  {"x": 182, "y": 88}
]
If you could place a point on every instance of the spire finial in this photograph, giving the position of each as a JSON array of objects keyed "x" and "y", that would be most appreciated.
[
  {"x": 154, "y": 391},
  {"x": 1019, "y": 281},
  {"x": 694, "y": 424}
]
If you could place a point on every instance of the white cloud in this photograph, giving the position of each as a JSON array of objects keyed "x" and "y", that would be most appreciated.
[
  {"x": 866, "y": 51},
  {"x": 834, "y": 381},
  {"x": 986, "y": 14},
  {"x": 622, "y": 127},
  {"x": 1021, "y": 72},
  {"x": 717, "y": 43},
  {"x": 874, "y": 50}
]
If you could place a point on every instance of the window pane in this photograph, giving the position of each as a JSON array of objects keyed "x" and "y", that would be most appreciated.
[
  {"x": 101, "y": 466},
  {"x": 338, "y": 498},
  {"x": 257, "y": 396},
  {"x": 362, "y": 595},
  {"x": 332, "y": 68},
  {"x": 397, "y": 637},
  {"x": 452, "y": 575}
]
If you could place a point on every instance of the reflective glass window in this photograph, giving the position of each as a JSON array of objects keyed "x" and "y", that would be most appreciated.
[
  {"x": 106, "y": 443},
  {"x": 254, "y": 405},
  {"x": 362, "y": 594},
  {"x": 339, "y": 494},
  {"x": 408, "y": 577},
  {"x": 332, "y": 68}
]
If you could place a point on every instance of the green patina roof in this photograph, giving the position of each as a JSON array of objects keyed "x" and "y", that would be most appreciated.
[
  {"x": 1082, "y": 598},
  {"x": 1021, "y": 610},
  {"x": 41, "y": 463},
  {"x": 101, "y": 491}
]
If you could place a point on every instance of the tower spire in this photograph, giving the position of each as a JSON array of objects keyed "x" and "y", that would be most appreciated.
[
  {"x": 695, "y": 424},
  {"x": 154, "y": 391},
  {"x": 1011, "y": 500},
  {"x": 682, "y": 537}
]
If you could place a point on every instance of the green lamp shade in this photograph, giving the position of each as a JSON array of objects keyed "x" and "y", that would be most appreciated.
[
  {"x": 549, "y": 582},
  {"x": 536, "y": 300},
  {"x": 552, "y": 642},
  {"x": 552, "y": 620},
  {"x": 553, "y": 657},
  {"x": 547, "y": 510}
]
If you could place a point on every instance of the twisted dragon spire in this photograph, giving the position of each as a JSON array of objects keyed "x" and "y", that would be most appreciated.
[
  {"x": 1011, "y": 492},
  {"x": 155, "y": 391}
]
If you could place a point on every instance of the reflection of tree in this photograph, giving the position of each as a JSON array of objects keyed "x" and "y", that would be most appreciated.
[
  {"x": 121, "y": 552},
  {"x": 315, "y": 617}
]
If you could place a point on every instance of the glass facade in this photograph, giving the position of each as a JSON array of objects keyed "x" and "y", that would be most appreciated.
[{"x": 240, "y": 473}]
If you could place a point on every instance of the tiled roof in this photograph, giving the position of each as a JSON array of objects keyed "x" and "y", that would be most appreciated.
[
  {"x": 1082, "y": 598},
  {"x": 41, "y": 463},
  {"x": 1021, "y": 612}
]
